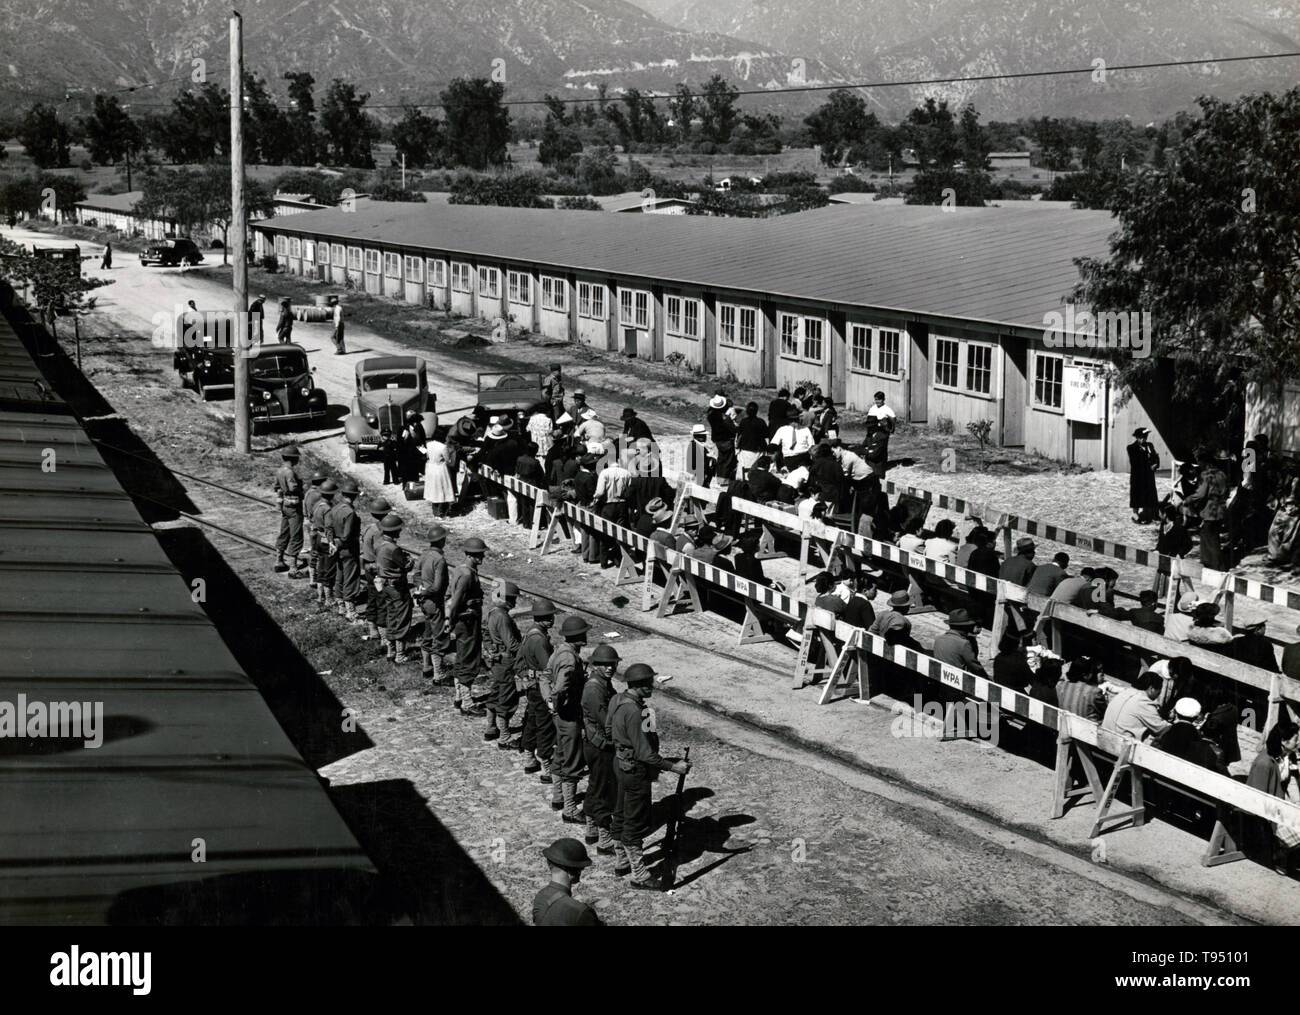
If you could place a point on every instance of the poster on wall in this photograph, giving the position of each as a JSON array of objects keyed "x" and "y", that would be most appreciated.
[{"x": 1084, "y": 391}]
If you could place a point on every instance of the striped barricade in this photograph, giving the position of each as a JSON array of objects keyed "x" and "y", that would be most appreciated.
[{"x": 540, "y": 496}]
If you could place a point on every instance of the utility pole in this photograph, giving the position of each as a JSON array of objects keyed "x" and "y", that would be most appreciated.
[
  {"x": 403, "y": 170},
  {"x": 239, "y": 229}
]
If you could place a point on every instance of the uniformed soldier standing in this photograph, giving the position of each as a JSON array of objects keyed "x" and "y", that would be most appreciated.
[
  {"x": 309, "y": 502},
  {"x": 393, "y": 564},
  {"x": 288, "y": 491},
  {"x": 346, "y": 529},
  {"x": 534, "y": 660},
  {"x": 568, "y": 674},
  {"x": 465, "y": 608},
  {"x": 500, "y": 649},
  {"x": 431, "y": 594},
  {"x": 370, "y": 537},
  {"x": 598, "y": 749},
  {"x": 555, "y": 905},
  {"x": 323, "y": 536},
  {"x": 637, "y": 764}
]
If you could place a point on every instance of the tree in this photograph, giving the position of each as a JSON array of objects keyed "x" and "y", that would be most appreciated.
[
  {"x": 67, "y": 192},
  {"x": 719, "y": 114},
  {"x": 111, "y": 134},
  {"x": 387, "y": 190},
  {"x": 518, "y": 190},
  {"x": 973, "y": 141},
  {"x": 45, "y": 137},
  {"x": 841, "y": 122},
  {"x": 267, "y": 135},
  {"x": 20, "y": 195},
  {"x": 929, "y": 129},
  {"x": 347, "y": 132},
  {"x": 197, "y": 128},
  {"x": 682, "y": 106},
  {"x": 1209, "y": 247},
  {"x": 598, "y": 171},
  {"x": 55, "y": 287},
  {"x": 212, "y": 201},
  {"x": 478, "y": 125},
  {"x": 303, "y": 142},
  {"x": 1054, "y": 139},
  {"x": 418, "y": 136},
  {"x": 560, "y": 143}
]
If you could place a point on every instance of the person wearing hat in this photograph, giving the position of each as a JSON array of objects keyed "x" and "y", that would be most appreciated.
[
  {"x": 1143, "y": 462},
  {"x": 345, "y": 536},
  {"x": 531, "y": 667},
  {"x": 411, "y": 458},
  {"x": 394, "y": 564},
  {"x": 598, "y": 749},
  {"x": 289, "y": 496},
  {"x": 892, "y": 624},
  {"x": 563, "y": 692},
  {"x": 309, "y": 502},
  {"x": 372, "y": 601},
  {"x": 794, "y": 441},
  {"x": 645, "y": 520},
  {"x": 465, "y": 611},
  {"x": 1133, "y": 712},
  {"x": 579, "y": 403},
  {"x": 256, "y": 318},
  {"x": 699, "y": 463},
  {"x": 1206, "y": 629},
  {"x": 637, "y": 764},
  {"x": 1020, "y": 568},
  {"x": 957, "y": 645},
  {"x": 555, "y": 905},
  {"x": 553, "y": 390},
  {"x": 590, "y": 428},
  {"x": 1184, "y": 739},
  {"x": 722, "y": 431},
  {"x": 500, "y": 649},
  {"x": 323, "y": 535},
  {"x": 336, "y": 336},
  {"x": 634, "y": 427},
  {"x": 284, "y": 325},
  {"x": 431, "y": 595}
]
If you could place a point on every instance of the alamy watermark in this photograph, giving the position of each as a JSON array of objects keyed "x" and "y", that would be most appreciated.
[
  {"x": 1107, "y": 329},
  {"x": 55, "y": 720},
  {"x": 971, "y": 719}
]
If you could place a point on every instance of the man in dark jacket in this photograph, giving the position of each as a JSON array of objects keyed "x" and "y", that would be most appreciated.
[
  {"x": 957, "y": 646},
  {"x": 1020, "y": 568},
  {"x": 555, "y": 905},
  {"x": 1184, "y": 740},
  {"x": 1142, "y": 465},
  {"x": 598, "y": 749},
  {"x": 778, "y": 412},
  {"x": 1047, "y": 576},
  {"x": 763, "y": 486},
  {"x": 1211, "y": 500},
  {"x": 634, "y": 427},
  {"x": 1145, "y": 615}
]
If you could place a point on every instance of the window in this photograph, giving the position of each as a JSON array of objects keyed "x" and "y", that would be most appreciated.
[
  {"x": 460, "y": 275},
  {"x": 860, "y": 347},
  {"x": 392, "y": 264},
  {"x": 281, "y": 245},
  {"x": 889, "y": 343},
  {"x": 812, "y": 339},
  {"x": 789, "y": 335},
  {"x": 354, "y": 258},
  {"x": 946, "y": 352},
  {"x": 295, "y": 247},
  {"x": 340, "y": 255},
  {"x": 553, "y": 293},
  {"x": 521, "y": 287},
  {"x": 372, "y": 261},
  {"x": 591, "y": 300},
  {"x": 691, "y": 318},
  {"x": 437, "y": 272},
  {"x": 415, "y": 269},
  {"x": 726, "y": 324},
  {"x": 683, "y": 317},
  {"x": 309, "y": 250},
  {"x": 489, "y": 283},
  {"x": 634, "y": 308},
  {"x": 979, "y": 368},
  {"x": 747, "y": 334},
  {"x": 674, "y": 310},
  {"x": 1048, "y": 371}
]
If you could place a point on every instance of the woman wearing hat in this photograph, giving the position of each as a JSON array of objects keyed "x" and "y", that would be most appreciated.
[
  {"x": 722, "y": 430},
  {"x": 439, "y": 484},
  {"x": 1142, "y": 465}
]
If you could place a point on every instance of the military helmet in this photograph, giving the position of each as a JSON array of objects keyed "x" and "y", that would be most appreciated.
[
  {"x": 392, "y": 523},
  {"x": 319, "y": 476},
  {"x": 567, "y": 853},
  {"x": 509, "y": 590},
  {"x": 329, "y": 488},
  {"x": 380, "y": 508},
  {"x": 291, "y": 452},
  {"x": 543, "y": 608},
  {"x": 604, "y": 655},
  {"x": 639, "y": 674},
  {"x": 437, "y": 534},
  {"x": 474, "y": 545},
  {"x": 349, "y": 486},
  {"x": 574, "y": 626}
]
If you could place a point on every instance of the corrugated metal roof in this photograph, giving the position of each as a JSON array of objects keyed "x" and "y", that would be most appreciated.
[
  {"x": 1008, "y": 265},
  {"x": 112, "y": 202}
]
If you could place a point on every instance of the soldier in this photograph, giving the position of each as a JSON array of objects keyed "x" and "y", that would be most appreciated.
[
  {"x": 465, "y": 608},
  {"x": 369, "y": 546},
  {"x": 500, "y": 648},
  {"x": 598, "y": 749},
  {"x": 431, "y": 594},
  {"x": 309, "y": 503},
  {"x": 567, "y": 675},
  {"x": 637, "y": 764},
  {"x": 393, "y": 564},
  {"x": 345, "y": 528},
  {"x": 555, "y": 905},
  {"x": 534, "y": 657},
  {"x": 323, "y": 544},
  {"x": 288, "y": 491}
]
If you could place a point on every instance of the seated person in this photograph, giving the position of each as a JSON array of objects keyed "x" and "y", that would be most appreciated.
[
  {"x": 911, "y": 540},
  {"x": 1048, "y": 576},
  {"x": 1011, "y": 664},
  {"x": 1078, "y": 691},
  {"x": 1146, "y": 615},
  {"x": 1184, "y": 740},
  {"x": 957, "y": 645},
  {"x": 942, "y": 546},
  {"x": 746, "y": 563},
  {"x": 1133, "y": 712},
  {"x": 892, "y": 624},
  {"x": 828, "y": 597},
  {"x": 860, "y": 612},
  {"x": 1042, "y": 683},
  {"x": 1206, "y": 629},
  {"x": 762, "y": 485},
  {"x": 984, "y": 559},
  {"x": 970, "y": 546}
]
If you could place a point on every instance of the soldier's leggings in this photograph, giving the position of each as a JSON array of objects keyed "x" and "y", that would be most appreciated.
[
  {"x": 290, "y": 538},
  {"x": 370, "y": 600},
  {"x": 539, "y": 729},
  {"x": 602, "y": 792},
  {"x": 347, "y": 583},
  {"x": 468, "y": 632},
  {"x": 630, "y": 823},
  {"x": 435, "y": 636},
  {"x": 397, "y": 610}
]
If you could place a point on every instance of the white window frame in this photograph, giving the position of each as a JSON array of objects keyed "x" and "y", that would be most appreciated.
[
  {"x": 414, "y": 269},
  {"x": 519, "y": 287},
  {"x": 672, "y": 314},
  {"x": 338, "y": 255},
  {"x": 554, "y": 293},
  {"x": 489, "y": 282},
  {"x": 436, "y": 271},
  {"x": 1058, "y": 383},
  {"x": 861, "y": 350},
  {"x": 822, "y": 330},
  {"x": 896, "y": 352},
  {"x": 591, "y": 301},
  {"x": 981, "y": 347},
  {"x": 372, "y": 261},
  {"x": 747, "y": 330},
  {"x": 323, "y": 252},
  {"x": 392, "y": 264},
  {"x": 354, "y": 258},
  {"x": 794, "y": 334},
  {"x": 281, "y": 244},
  {"x": 309, "y": 251},
  {"x": 634, "y": 311},
  {"x": 956, "y": 363},
  {"x": 295, "y": 246},
  {"x": 462, "y": 276}
]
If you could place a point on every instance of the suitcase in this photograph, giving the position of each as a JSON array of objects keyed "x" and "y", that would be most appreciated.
[
  {"x": 496, "y": 507},
  {"x": 413, "y": 490}
]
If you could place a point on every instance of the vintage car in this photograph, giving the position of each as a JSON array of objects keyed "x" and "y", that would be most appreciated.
[
  {"x": 173, "y": 250},
  {"x": 280, "y": 385},
  {"x": 514, "y": 392},
  {"x": 203, "y": 355},
  {"x": 388, "y": 387}
]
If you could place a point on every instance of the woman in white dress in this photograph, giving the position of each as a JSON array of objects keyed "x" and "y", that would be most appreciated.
[
  {"x": 439, "y": 486},
  {"x": 541, "y": 430}
]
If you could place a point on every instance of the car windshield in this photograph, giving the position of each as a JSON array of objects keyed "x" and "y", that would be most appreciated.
[
  {"x": 281, "y": 365},
  {"x": 390, "y": 379}
]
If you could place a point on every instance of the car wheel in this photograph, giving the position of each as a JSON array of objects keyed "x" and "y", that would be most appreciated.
[{"x": 191, "y": 261}]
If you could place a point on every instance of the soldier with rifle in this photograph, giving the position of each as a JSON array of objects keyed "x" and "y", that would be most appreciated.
[{"x": 288, "y": 493}]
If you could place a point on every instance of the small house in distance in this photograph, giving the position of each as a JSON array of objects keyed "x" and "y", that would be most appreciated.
[{"x": 1008, "y": 160}]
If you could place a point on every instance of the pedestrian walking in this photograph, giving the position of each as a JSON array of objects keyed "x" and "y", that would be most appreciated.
[
  {"x": 107, "y": 263},
  {"x": 284, "y": 325},
  {"x": 340, "y": 347}
]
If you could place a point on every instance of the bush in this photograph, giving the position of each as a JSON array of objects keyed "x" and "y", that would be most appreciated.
[
  {"x": 87, "y": 165},
  {"x": 270, "y": 264},
  {"x": 583, "y": 203},
  {"x": 944, "y": 425},
  {"x": 789, "y": 180},
  {"x": 387, "y": 191},
  {"x": 850, "y": 185}
]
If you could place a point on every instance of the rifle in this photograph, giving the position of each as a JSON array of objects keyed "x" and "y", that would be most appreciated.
[{"x": 670, "y": 833}]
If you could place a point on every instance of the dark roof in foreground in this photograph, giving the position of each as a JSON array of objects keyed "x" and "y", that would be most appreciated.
[{"x": 1006, "y": 265}]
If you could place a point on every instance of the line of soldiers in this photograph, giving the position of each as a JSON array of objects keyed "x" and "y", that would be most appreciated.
[{"x": 574, "y": 724}]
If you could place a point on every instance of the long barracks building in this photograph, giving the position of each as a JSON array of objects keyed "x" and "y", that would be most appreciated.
[{"x": 942, "y": 309}]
